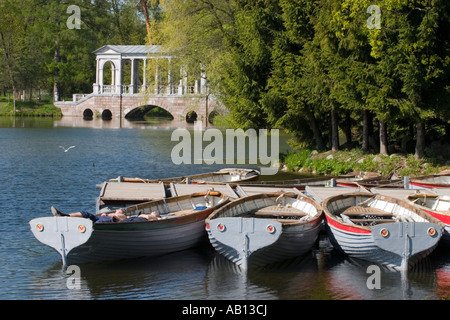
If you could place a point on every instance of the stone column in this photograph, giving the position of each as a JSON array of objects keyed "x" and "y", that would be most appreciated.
[
  {"x": 169, "y": 79},
  {"x": 180, "y": 86},
  {"x": 98, "y": 78},
  {"x": 156, "y": 77},
  {"x": 144, "y": 79},
  {"x": 203, "y": 83},
  {"x": 97, "y": 71},
  {"x": 185, "y": 82},
  {"x": 132, "y": 84},
  {"x": 118, "y": 82}
]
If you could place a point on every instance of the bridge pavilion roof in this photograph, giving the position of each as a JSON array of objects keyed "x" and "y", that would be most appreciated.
[{"x": 131, "y": 51}]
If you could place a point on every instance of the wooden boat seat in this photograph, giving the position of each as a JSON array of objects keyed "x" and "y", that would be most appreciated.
[
  {"x": 372, "y": 220},
  {"x": 363, "y": 211},
  {"x": 181, "y": 212},
  {"x": 279, "y": 211},
  {"x": 286, "y": 221}
]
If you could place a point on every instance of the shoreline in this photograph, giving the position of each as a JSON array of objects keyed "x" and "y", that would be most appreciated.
[{"x": 312, "y": 163}]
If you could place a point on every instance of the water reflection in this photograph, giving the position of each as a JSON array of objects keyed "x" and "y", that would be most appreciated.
[
  {"x": 441, "y": 262},
  {"x": 348, "y": 280},
  {"x": 26, "y": 122},
  {"x": 163, "y": 277},
  {"x": 156, "y": 123},
  {"x": 201, "y": 273},
  {"x": 36, "y": 173}
]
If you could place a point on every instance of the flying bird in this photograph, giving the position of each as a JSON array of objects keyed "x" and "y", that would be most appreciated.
[{"x": 65, "y": 150}]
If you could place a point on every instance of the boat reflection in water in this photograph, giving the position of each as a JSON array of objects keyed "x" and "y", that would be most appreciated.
[
  {"x": 289, "y": 279},
  {"x": 355, "y": 279}
]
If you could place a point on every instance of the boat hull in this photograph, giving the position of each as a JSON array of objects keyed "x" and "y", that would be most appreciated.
[
  {"x": 245, "y": 246},
  {"x": 363, "y": 245},
  {"x": 180, "y": 226},
  {"x": 430, "y": 182},
  {"x": 227, "y": 175},
  {"x": 396, "y": 243},
  {"x": 435, "y": 205},
  {"x": 154, "y": 240},
  {"x": 446, "y": 220},
  {"x": 258, "y": 230}
]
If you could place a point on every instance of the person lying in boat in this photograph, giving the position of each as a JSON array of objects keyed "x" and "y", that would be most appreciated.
[
  {"x": 117, "y": 216},
  {"x": 143, "y": 217}
]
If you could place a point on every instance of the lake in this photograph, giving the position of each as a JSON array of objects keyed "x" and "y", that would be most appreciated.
[{"x": 36, "y": 173}]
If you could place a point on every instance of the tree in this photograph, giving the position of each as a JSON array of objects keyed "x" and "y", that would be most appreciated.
[
  {"x": 231, "y": 41},
  {"x": 415, "y": 44},
  {"x": 286, "y": 102}
]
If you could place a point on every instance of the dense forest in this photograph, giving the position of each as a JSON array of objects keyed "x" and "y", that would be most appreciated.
[
  {"x": 41, "y": 47},
  {"x": 333, "y": 73}
]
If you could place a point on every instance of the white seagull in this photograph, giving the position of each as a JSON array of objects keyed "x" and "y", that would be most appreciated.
[{"x": 65, "y": 150}]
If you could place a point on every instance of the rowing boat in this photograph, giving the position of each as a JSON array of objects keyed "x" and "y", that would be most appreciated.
[
  {"x": 119, "y": 195},
  {"x": 227, "y": 175},
  {"x": 181, "y": 226},
  {"x": 381, "y": 229},
  {"x": 299, "y": 184},
  {"x": 430, "y": 181},
  {"x": 263, "y": 228},
  {"x": 436, "y": 205}
]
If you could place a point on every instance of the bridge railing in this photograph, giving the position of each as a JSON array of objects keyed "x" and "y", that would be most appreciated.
[{"x": 161, "y": 90}]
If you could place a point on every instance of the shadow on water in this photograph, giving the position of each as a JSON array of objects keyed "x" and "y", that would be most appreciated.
[
  {"x": 290, "y": 279},
  {"x": 201, "y": 273},
  {"x": 162, "y": 277},
  {"x": 354, "y": 279}
]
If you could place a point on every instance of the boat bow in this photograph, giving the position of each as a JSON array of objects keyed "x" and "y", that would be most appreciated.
[
  {"x": 406, "y": 239},
  {"x": 245, "y": 235},
  {"x": 72, "y": 232}
]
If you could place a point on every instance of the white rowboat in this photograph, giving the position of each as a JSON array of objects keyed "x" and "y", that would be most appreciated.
[
  {"x": 381, "y": 229},
  {"x": 263, "y": 228}
]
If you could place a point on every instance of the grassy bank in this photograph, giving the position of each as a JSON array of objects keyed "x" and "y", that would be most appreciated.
[
  {"x": 346, "y": 161},
  {"x": 43, "y": 108}
]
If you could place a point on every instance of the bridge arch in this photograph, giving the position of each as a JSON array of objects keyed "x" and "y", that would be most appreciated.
[
  {"x": 142, "y": 111},
  {"x": 191, "y": 116},
  {"x": 212, "y": 115},
  {"x": 108, "y": 73},
  {"x": 88, "y": 114},
  {"x": 106, "y": 114}
]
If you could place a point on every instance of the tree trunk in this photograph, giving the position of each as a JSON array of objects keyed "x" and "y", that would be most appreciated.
[
  {"x": 447, "y": 131},
  {"x": 347, "y": 128},
  {"x": 334, "y": 131},
  {"x": 383, "y": 138},
  {"x": 365, "y": 135},
  {"x": 10, "y": 71},
  {"x": 147, "y": 21},
  {"x": 420, "y": 141},
  {"x": 116, "y": 9},
  {"x": 316, "y": 131},
  {"x": 57, "y": 60}
]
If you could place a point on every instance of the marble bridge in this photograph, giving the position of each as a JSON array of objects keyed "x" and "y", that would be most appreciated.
[{"x": 130, "y": 80}]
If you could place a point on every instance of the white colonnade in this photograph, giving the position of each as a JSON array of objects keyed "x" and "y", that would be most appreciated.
[{"x": 143, "y": 70}]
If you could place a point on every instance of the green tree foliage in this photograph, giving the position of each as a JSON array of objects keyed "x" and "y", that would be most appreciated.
[
  {"x": 42, "y": 52},
  {"x": 320, "y": 68}
]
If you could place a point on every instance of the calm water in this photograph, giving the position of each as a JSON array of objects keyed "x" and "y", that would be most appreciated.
[{"x": 35, "y": 174}]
